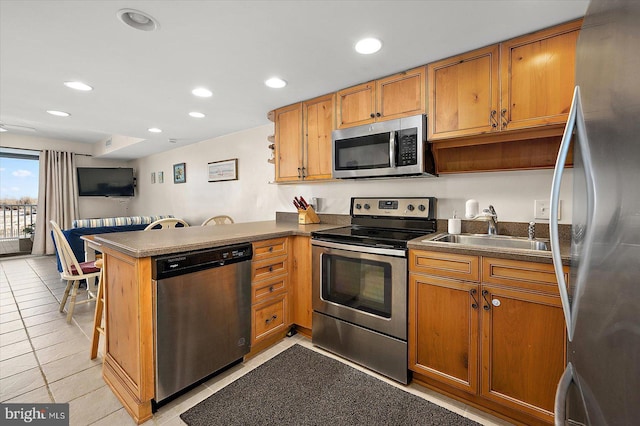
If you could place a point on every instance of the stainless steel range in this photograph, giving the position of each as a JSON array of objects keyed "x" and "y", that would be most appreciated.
[{"x": 360, "y": 282}]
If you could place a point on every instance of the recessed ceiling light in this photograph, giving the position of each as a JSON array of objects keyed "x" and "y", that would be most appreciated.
[
  {"x": 78, "y": 85},
  {"x": 138, "y": 20},
  {"x": 59, "y": 113},
  {"x": 155, "y": 130},
  {"x": 2, "y": 129},
  {"x": 195, "y": 114},
  {"x": 275, "y": 82},
  {"x": 367, "y": 46},
  {"x": 202, "y": 92}
]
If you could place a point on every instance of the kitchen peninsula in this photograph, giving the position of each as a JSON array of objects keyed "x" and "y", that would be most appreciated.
[{"x": 129, "y": 351}]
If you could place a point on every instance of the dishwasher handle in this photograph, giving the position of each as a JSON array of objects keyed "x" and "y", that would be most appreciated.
[{"x": 173, "y": 265}]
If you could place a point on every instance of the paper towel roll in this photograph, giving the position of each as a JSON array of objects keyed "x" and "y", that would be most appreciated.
[
  {"x": 472, "y": 209},
  {"x": 455, "y": 226}
]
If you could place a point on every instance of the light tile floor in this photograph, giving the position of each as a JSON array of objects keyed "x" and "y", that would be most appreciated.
[{"x": 43, "y": 359}]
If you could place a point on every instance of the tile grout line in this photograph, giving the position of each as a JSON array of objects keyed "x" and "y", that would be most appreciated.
[
  {"x": 36, "y": 355},
  {"x": 33, "y": 349}
]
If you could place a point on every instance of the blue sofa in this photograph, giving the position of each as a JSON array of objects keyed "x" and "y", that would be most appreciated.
[{"x": 102, "y": 226}]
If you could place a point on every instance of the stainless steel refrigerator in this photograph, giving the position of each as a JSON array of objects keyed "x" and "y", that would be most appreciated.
[{"x": 602, "y": 303}]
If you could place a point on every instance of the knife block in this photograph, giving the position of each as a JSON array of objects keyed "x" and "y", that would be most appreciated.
[{"x": 307, "y": 216}]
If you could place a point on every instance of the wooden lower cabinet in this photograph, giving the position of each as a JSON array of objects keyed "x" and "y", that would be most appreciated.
[
  {"x": 270, "y": 316},
  {"x": 443, "y": 330},
  {"x": 523, "y": 349},
  {"x": 300, "y": 292},
  {"x": 128, "y": 365},
  {"x": 497, "y": 342}
]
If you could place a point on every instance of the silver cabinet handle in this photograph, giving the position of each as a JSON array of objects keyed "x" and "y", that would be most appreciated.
[{"x": 560, "y": 404}]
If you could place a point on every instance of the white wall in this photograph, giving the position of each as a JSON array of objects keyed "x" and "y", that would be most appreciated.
[
  {"x": 89, "y": 207},
  {"x": 253, "y": 198}
]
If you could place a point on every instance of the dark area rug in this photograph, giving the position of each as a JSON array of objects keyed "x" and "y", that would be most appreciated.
[{"x": 302, "y": 387}]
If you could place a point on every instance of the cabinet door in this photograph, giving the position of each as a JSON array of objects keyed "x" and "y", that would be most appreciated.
[
  {"x": 301, "y": 309},
  {"x": 319, "y": 119},
  {"x": 288, "y": 143},
  {"x": 401, "y": 95},
  {"x": 443, "y": 330},
  {"x": 537, "y": 74},
  {"x": 356, "y": 105},
  {"x": 523, "y": 349},
  {"x": 268, "y": 318},
  {"x": 464, "y": 94}
]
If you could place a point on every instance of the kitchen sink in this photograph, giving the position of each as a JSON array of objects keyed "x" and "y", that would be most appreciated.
[{"x": 502, "y": 241}]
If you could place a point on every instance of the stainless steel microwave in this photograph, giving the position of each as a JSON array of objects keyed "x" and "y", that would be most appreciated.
[{"x": 386, "y": 149}]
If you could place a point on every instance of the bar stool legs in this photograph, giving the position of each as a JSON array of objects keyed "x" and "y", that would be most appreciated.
[{"x": 97, "y": 318}]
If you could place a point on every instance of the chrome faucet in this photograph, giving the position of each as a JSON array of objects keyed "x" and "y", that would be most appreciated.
[{"x": 492, "y": 220}]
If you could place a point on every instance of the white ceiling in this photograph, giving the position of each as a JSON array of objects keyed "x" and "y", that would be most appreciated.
[{"x": 144, "y": 79}]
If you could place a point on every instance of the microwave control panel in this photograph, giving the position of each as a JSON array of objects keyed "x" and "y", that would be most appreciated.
[{"x": 407, "y": 147}]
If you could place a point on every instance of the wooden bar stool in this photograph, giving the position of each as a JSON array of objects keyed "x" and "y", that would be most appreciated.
[{"x": 98, "y": 329}]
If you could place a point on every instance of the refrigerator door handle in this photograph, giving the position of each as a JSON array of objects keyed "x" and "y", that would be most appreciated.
[
  {"x": 576, "y": 120},
  {"x": 553, "y": 218},
  {"x": 560, "y": 405}
]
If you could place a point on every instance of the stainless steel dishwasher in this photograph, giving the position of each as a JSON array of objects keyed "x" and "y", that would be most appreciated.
[{"x": 202, "y": 314}]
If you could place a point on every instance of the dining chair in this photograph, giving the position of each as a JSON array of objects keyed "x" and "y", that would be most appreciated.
[
  {"x": 167, "y": 223},
  {"x": 73, "y": 272},
  {"x": 218, "y": 220}
]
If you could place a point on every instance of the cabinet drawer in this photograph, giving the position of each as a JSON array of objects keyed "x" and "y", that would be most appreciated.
[
  {"x": 265, "y": 289},
  {"x": 446, "y": 265},
  {"x": 269, "y": 317},
  {"x": 526, "y": 275},
  {"x": 267, "y": 268},
  {"x": 269, "y": 248}
]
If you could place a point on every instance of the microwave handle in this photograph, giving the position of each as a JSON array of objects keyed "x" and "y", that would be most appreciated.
[{"x": 392, "y": 149}]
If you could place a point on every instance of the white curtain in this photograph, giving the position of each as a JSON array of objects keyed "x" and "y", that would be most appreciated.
[{"x": 57, "y": 197}]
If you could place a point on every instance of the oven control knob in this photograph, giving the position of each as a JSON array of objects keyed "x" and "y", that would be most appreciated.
[
  {"x": 358, "y": 206},
  {"x": 421, "y": 207},
  {"x": 410, "y": 207},
  {"x": 367, "y": 206}
]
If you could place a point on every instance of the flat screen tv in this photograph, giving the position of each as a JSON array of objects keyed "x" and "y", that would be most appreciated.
[{"x": 105, "y": 182}]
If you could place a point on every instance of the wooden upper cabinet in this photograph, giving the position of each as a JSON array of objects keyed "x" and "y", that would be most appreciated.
[
  {"x": 288, "y": 126},
  {"x": 303, "y": 139},
  {"x": 521, "y": 84},
  {"x": 538, "y": 77},
  {"x": 319, "y": 122},
  {"x": 401, "y": 95},
  {"x": 396, "y": 96},
  {"x": 464, "y": 95},
  {"x": 356, "y": 105}
]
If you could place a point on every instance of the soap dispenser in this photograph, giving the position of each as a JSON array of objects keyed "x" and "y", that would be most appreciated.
[{"x": 455, "y": 224}]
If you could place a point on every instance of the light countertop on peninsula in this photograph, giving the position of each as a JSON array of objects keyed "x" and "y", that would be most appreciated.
[{"x": 158, "y": 242}]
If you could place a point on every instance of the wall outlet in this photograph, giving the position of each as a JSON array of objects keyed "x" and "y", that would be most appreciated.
[{"x": 542, "y": 209}]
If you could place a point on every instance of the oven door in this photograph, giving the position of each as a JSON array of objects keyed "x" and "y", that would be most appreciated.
[{"x": 366, "y": 286}]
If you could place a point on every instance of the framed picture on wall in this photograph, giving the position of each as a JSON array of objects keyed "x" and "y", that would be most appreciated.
[
  {"x": 160, "y": 177},
  {"x": 179, "y": 173},
  {"x": 153, "y": 177},
  {"x": 223, "y": 170}
]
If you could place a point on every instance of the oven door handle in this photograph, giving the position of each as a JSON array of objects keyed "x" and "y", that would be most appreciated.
[{"x": 360, "y": 249}]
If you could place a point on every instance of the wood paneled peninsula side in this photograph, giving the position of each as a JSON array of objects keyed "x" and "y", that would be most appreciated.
[{"x": 128, "y": 365}]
